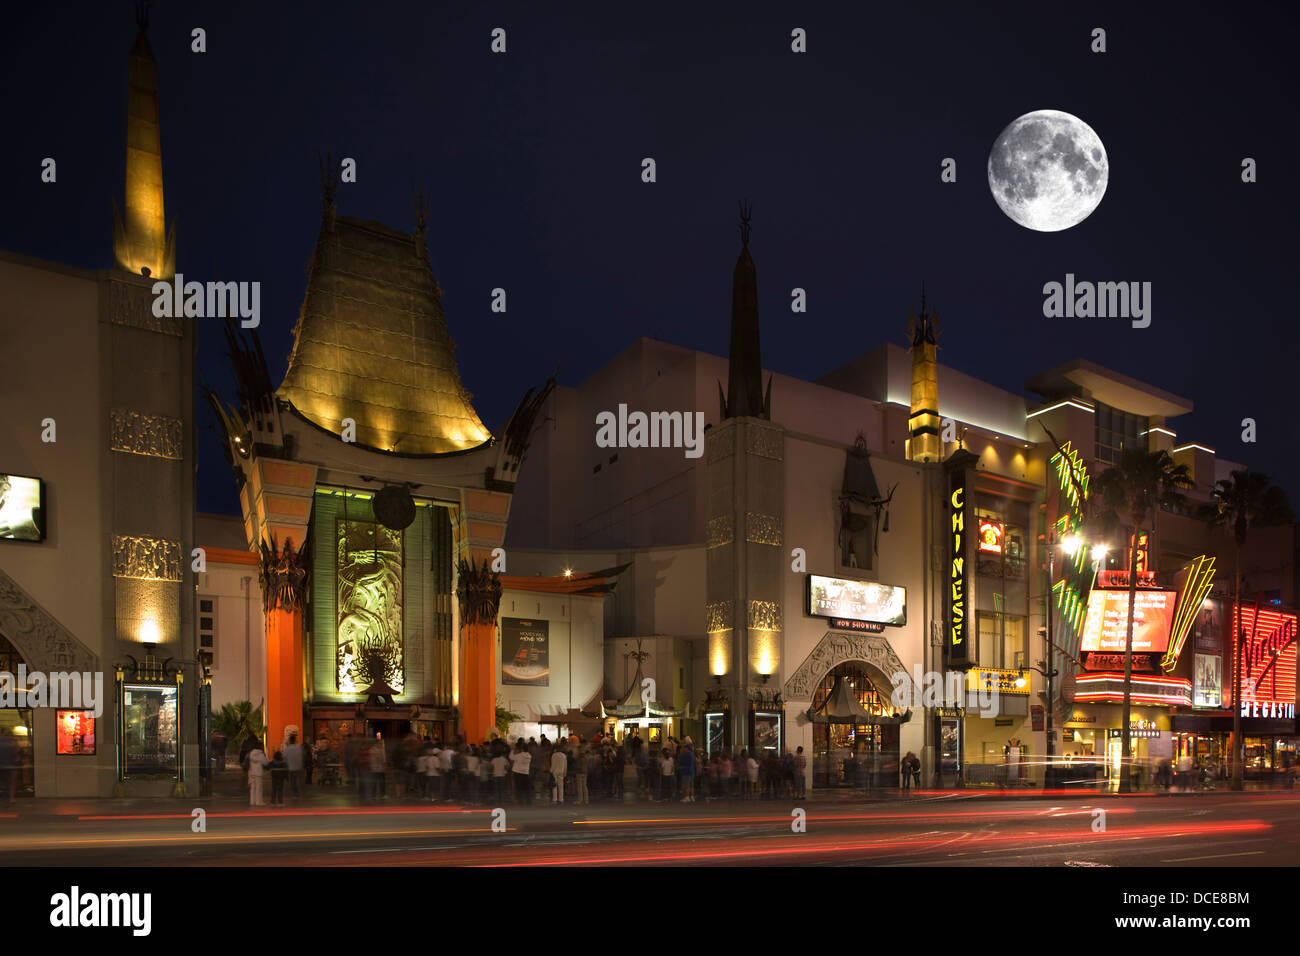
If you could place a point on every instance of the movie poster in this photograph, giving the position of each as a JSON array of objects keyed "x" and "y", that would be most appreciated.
[
  {"x": 1207, "y": 688},
  {"x": 525, "y": 652},
  {"x": 21, "y": 518}
]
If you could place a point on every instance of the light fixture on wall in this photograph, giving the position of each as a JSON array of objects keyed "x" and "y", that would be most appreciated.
[{"x": 149, "y": 633}]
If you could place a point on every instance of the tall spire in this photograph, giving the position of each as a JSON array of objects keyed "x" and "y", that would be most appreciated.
[
  {"x": 140, "y": 241},
  {"x": 744, "y": 397},
  {"x": 924, "y": 438}
]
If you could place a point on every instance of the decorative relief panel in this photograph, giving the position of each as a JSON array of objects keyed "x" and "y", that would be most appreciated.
[
  {"x": 153, "y": 559},
  {"x": 721, "y": 531},
  {"x": 764, "y": 615},
  {"x": 129, "y": 303},
  {"x": 762, "y": 529},
  {"x": 720, "y": 443},
  {"x": 718, "y": 616},
  {"x": 766, "y": 442},
  {"x": 834, "y": 649},
  {"x": 44, "y": 643},
  {"x": 154, "y": 435}
]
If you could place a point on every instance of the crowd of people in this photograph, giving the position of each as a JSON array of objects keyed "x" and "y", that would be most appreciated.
[{"x": 539, "y": 771}]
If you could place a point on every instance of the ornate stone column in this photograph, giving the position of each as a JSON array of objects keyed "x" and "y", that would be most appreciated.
[{"x": 478, "y": 591}]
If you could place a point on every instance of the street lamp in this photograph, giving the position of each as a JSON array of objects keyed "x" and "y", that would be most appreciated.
[{"x": 1070, "y": 545}]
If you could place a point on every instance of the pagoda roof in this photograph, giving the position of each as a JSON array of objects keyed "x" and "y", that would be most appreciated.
[{"x": 372, "y": 345}]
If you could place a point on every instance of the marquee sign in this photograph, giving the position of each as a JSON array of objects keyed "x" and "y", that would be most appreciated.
[
  {"x": 847, "y": 602},
  {"x": 1105, "y": 628},
  {"x": 957, "y": 645}
]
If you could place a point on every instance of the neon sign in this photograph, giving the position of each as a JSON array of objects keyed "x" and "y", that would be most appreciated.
[
  {"x": 991, "y": 533},
  {"x": 958, "y": 643},
  {"x": 1267, "y": 644}
]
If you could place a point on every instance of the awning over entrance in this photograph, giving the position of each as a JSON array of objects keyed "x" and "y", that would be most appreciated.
[{"x": 842, "y": 707}]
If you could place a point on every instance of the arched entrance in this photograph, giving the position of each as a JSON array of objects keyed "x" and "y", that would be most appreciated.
[
  {"x": 16, "y": 725},
  {"x": 855, "y": 729}
]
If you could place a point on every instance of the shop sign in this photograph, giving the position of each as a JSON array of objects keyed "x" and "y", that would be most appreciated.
[
  {"x": 1078, "y": 717},
  {"x": 1134, "y": 733},
  {"x": 1109, "y": 662},
  {"x": 1268, "y": 708},
  {"x": 844, "y": 624},
  {"x": 996, "y": 678},
  {"x": 1268, "y": 662}
]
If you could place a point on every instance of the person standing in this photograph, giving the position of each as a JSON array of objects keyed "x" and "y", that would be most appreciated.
[
  {"x": 308, "y": 761},
  {"x": 800, "y": 773},
  {"x": 520, "y": 764},
  {"x": 582, "y": 796},
  {"x": 686, "y": 772},
  {"x": 666, "y": 773},
  {"x": 559, "y": 770},
  {"x": 279, "y": 768},
  {"x": 499, "y": 767},
  {"x": 292, "y": 757},
  {"x": 255, "y": 762}
]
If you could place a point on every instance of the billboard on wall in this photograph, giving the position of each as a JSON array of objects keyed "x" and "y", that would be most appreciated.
[
  {"x": 867, "y": 601},
  {"x": 22, "y": 508},
  {"x": 1207, "y": 681},
  {"x": 1105, "y": 628},
  {"x": 525, "y": 652}
]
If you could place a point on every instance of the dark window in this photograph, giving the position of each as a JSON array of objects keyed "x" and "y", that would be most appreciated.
[
  {"x": 206, "y": 640},
  {"x": 205, "y": 624},
  {"x": 206, "y": 605}
]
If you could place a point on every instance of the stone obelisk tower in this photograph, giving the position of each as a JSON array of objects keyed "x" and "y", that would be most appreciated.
[{"x": 746, "y": 481}]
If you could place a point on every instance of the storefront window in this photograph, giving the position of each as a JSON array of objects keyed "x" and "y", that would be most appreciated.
[
  {"x": 1001, "y": 639},
  {"x": 149, "y": 719}
]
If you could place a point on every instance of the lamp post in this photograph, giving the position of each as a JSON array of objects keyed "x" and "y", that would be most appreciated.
[{"x": 1071, "y": 546}]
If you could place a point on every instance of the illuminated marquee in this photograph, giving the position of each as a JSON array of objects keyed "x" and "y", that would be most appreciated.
[
  {"x": 852, "y": 601},
  {"x": 958, "y": 642},
  {"x": 1268, "y": 661},
  {"x": 1109, "y": 688}
]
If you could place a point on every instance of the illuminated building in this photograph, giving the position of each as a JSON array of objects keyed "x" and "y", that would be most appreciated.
[
  {"x": 828, "y": 477},
  {"x": 99, "y": 409},
  {"x": 376, "y": 499}
]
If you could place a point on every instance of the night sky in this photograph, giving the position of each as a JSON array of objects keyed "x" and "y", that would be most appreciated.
[{"x": 532, "y": 162}]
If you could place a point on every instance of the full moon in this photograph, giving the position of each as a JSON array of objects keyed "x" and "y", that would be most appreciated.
[{"x": 1048, "y": 170}]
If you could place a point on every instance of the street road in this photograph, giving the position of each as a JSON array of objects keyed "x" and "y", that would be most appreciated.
[{"x": 946, "y": 829}]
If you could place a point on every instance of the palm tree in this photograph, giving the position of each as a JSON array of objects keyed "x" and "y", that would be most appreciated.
[
  {"x": 1130, "y": 493},
  {"x": 1245, "y": 501}
]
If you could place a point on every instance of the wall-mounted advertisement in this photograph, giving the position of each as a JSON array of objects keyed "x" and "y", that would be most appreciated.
[
  {"x": 150, "y": 730},
  {"x": 1106, "y": 626},
  {"x": 1207, "y": 681},
  {"x": 75, "y": 733},
  {"x": 525, "y": 652},
  {"x": 867, "y": 601},
  {"x": 22, "y": 508}
]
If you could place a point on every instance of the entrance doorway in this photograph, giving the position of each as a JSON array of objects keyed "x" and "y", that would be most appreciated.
[
  {"x": 17, "y": 728},
  {"x": 856, "y": 754}
]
